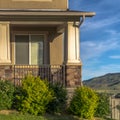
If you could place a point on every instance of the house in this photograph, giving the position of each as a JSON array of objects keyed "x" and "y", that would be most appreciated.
[{"x": 40, "y": 37}]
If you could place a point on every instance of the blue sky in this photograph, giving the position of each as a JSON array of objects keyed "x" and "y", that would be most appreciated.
[{"x": 99, "y": 36}]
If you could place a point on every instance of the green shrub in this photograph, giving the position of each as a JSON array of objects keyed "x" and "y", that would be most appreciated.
[
  {"x": 33, "y": 96},
  {"x": 84, "y": 102},
  {"x": 6, "y": 94},
  {"x": 103, "y": 107},
  {"x": 58, "y": 104}
]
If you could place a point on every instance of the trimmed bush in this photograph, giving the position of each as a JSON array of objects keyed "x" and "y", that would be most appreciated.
[
  {"x": 84, "y": 102},
  {"x": 33, "y": 96},
  {"x": 103, "y": 107},
  {"x": 58, "y": 104},
  {"x": 6, "y": 94}
]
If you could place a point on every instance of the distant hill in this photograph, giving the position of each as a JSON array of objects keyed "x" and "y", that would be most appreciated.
[{"x": 109, "y": 81}]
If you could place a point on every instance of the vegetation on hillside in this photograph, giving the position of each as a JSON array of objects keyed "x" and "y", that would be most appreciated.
[{"x": 109, "y": 81}]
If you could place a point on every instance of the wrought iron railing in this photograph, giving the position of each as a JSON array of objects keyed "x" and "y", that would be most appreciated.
[{"x": 52, "y": 73}]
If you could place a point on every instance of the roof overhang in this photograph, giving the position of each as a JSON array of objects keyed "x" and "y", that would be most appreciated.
[{"x": 40, "y": 15}]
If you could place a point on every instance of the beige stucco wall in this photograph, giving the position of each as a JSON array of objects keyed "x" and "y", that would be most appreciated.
[
  {"x": 34, "y": 4},
  {"x": 56, "y": 50}
]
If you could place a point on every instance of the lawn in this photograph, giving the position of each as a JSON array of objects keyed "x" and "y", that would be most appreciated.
[
  {"x": 18, "y": 116},
  {"x": 6, "y": 115}
]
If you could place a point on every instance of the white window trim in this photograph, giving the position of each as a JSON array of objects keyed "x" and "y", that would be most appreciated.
[{"x": 30, "y": 49}]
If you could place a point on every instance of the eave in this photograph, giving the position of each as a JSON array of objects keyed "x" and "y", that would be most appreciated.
[{"x": 40, "y": 15}]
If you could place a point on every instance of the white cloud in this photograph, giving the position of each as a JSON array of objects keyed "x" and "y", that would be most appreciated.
[
  {"x": 93, "y": 49},
  {"x": 90, "y": 72},
  {"x": 112, "y": 32},
  {"x": 110, "y": 67},
  {"x": 94, "y": 23},
  {"x": 114, "y": 56}
]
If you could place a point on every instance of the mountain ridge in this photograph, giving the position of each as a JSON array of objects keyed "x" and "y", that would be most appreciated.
[{"x": 109, "y": 81}]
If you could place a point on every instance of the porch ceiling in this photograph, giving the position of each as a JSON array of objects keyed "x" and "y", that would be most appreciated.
[{"x": 40, "y": 15}]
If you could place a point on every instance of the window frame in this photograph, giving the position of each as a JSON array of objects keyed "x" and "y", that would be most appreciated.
[{"x": 29, "y": 34}]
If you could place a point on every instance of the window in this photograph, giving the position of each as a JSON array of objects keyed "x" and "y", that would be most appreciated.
[{"x": 29, "y": 49}]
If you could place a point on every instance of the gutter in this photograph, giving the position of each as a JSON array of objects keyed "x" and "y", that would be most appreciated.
[{"x": 78, "y": 24}]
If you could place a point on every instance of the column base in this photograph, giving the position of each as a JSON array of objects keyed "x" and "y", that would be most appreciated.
[
  {"x": 73, "y": 75},
  {"x": 5, "y": 61}
]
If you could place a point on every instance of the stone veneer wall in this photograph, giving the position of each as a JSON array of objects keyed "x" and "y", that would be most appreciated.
[
  {"x": 6, "y": 72},
  {"x": 73, "y": 76},
  {"x": 16, "y": 73},
  {"x": 73, "y": 79}
]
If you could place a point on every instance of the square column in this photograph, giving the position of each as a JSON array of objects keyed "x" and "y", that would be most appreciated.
[
  {"x": 72, "y": 56},
  {"x": 4, "y": 43},
  {"x": 72, "y": 44}
]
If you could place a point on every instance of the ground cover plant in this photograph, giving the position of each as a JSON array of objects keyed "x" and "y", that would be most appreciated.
[
  {"x": 58, "y": 104},
  {"x": 103, "y": 108},
  {"x": 6, "y": 94}
]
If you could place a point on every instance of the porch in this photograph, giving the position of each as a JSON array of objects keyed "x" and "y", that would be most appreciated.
[{"x": 34, "y": 41}]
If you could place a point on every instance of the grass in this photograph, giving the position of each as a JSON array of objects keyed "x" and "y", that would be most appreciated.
[
  {"x": 5, "y": 115},
  {"x": 18, "y": 116}
]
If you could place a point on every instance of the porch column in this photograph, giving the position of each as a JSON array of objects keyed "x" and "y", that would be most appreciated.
[
  {"x": 4, "y": 42},
  {"x": 72, "y": 56},
  {"x": 72, "y": 47}
]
